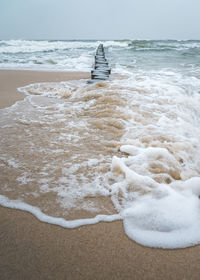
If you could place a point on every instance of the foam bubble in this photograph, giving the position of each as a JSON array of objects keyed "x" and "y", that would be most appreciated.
[{"x": 166, "y": 218}]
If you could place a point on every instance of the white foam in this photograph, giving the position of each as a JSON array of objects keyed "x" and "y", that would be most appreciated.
[
  {"x": 16, "y": 204},
  {"x": 155, "y": 185},
  {"x": 161, "y": 215},
  {"x": 51, "y": 55},
  {"x": 13, "y": 163},
  {"x": 115, "y": 43},
  {"x": 16, "y": 46},
  {"x": 156, "y": 214},
  {"x": 167, "y": 218}
]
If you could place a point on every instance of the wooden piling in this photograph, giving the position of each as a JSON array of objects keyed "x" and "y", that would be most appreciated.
[{"x": 101, "y": 69}]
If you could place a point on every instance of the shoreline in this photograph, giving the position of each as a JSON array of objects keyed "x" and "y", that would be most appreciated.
[
  {"x": 37, "y": 250},
  {"x": 10, "y": 80}
]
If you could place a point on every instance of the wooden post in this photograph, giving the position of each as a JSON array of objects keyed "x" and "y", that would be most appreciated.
[{"x": 101, "y": 69}]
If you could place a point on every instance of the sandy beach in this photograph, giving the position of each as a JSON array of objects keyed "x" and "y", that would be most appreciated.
[
  {"x": 10, "y": 80},
  {"x": 30, "y": 249}
]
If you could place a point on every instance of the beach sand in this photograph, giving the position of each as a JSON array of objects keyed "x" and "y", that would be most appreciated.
[
  {"x": 10, "y": 80},
  {"x": 30, "y": 249}
]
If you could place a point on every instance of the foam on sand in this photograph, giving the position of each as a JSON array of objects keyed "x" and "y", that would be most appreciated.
[
  {"x": 160, "y": 215},
  {"x": 16, "y": 204},
  {"x": 125, "y": 149}
]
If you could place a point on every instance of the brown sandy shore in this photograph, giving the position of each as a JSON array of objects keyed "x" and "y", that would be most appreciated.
[{"x": 30, "y": 249}]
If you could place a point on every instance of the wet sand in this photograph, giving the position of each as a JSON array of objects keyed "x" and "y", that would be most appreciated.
[
  {"x": 10, "y": 80},
  {"x": 30, "y": 249}
]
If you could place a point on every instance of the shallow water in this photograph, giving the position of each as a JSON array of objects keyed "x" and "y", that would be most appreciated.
[{"x": 128, "y": 148}]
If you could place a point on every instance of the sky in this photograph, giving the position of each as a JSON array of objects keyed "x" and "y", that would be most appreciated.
[{"x": 99, "y": 19}]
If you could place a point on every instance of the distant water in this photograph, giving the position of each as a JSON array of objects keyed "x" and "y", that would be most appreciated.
[
  {"x": 127, "y": 148},
  {"x": 129, "y": 55}
]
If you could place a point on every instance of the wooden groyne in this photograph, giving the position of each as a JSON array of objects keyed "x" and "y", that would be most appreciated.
[{"x": 101, "y": 69}]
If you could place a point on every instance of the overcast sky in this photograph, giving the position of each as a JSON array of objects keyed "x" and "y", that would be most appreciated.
[{"x": 103, "y": 19}]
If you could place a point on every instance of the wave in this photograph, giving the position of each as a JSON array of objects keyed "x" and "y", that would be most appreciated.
[
  {"x": 24, "y": 46},
  {"x": 78, "y": 55},
  {"x": 163, "y": 45},
  {"x": 124, "y": 149}
]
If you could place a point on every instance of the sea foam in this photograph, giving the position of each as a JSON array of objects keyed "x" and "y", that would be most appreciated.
[
  {"x": 16, "y": 204},
  {"x": 127, "y": 149}
]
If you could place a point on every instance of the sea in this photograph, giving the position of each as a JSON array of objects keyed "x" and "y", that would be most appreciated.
[{"x": 74, "y": 154}]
